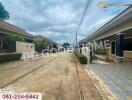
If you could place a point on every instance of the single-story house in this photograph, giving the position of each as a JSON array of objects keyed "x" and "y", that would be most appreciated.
[
  {"x": 51, "y": 44},
  {"x": 119, "y": 32},
  {"x": 14, "y": 39}
]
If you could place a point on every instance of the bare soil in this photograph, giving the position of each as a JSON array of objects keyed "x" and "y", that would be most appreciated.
[{"x": 54, "y": 76}]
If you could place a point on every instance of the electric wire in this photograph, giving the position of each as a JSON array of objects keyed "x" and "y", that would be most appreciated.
[{"x": 82, "y": 18}]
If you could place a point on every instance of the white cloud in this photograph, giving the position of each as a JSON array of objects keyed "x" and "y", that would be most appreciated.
[{"x": 58, "y": 19}]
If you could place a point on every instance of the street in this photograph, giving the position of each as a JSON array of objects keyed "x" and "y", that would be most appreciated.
[{"x": 53, "y": 76}]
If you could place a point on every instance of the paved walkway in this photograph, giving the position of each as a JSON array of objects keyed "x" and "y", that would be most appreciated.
[{"x": 118, "y": 78}]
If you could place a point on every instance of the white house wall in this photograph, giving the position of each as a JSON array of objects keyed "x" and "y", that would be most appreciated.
[{"x": 24, "y": 47}]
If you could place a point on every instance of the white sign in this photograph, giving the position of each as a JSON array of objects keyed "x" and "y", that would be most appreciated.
[{"x": 20, "y": 96}]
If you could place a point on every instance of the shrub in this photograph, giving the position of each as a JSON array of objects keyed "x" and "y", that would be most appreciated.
[
  {"x": 10, "y": 57},
  {"x": 77, "y": 54},
  {"x": 82, "y": 58},
  {"x": 101, "y": 51}
]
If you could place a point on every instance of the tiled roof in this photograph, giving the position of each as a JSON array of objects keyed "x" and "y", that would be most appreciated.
[{"x": 40, "y": 38}]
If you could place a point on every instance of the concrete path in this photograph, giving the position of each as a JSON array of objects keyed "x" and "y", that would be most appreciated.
[{"x": 118, "y": 78}]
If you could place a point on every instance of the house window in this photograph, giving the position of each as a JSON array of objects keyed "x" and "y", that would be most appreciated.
[
  {"x": 128, "y": 44},
  {"x": 1, "y": 42}
]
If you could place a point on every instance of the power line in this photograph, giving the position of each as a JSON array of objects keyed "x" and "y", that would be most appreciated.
[{"x": 82, "y": 18}]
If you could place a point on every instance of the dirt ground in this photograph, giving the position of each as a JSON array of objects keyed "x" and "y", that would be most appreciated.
[
  {"x": 55, "y": 80},
  {"x": 90, "y": 91},
  {"x": 53, "y": 76}
]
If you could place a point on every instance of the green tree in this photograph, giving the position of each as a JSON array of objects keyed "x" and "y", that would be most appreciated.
[
  {"x": 66, "y": 45},
  {"x": 14, "y": 38},
  {"x": 40, "y": 45},
  {"x": 4, "y": 15},
  {"x": 45, "y": 42}
]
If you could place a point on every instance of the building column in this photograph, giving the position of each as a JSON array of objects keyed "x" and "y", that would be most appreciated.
[{"x": 119, "y": 47}]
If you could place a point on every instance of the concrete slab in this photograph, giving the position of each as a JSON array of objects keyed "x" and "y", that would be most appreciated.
[{"x": 100, "y": 62}]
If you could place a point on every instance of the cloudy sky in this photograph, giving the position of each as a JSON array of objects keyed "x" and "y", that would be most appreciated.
[{"x": 59, "y": 19}]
